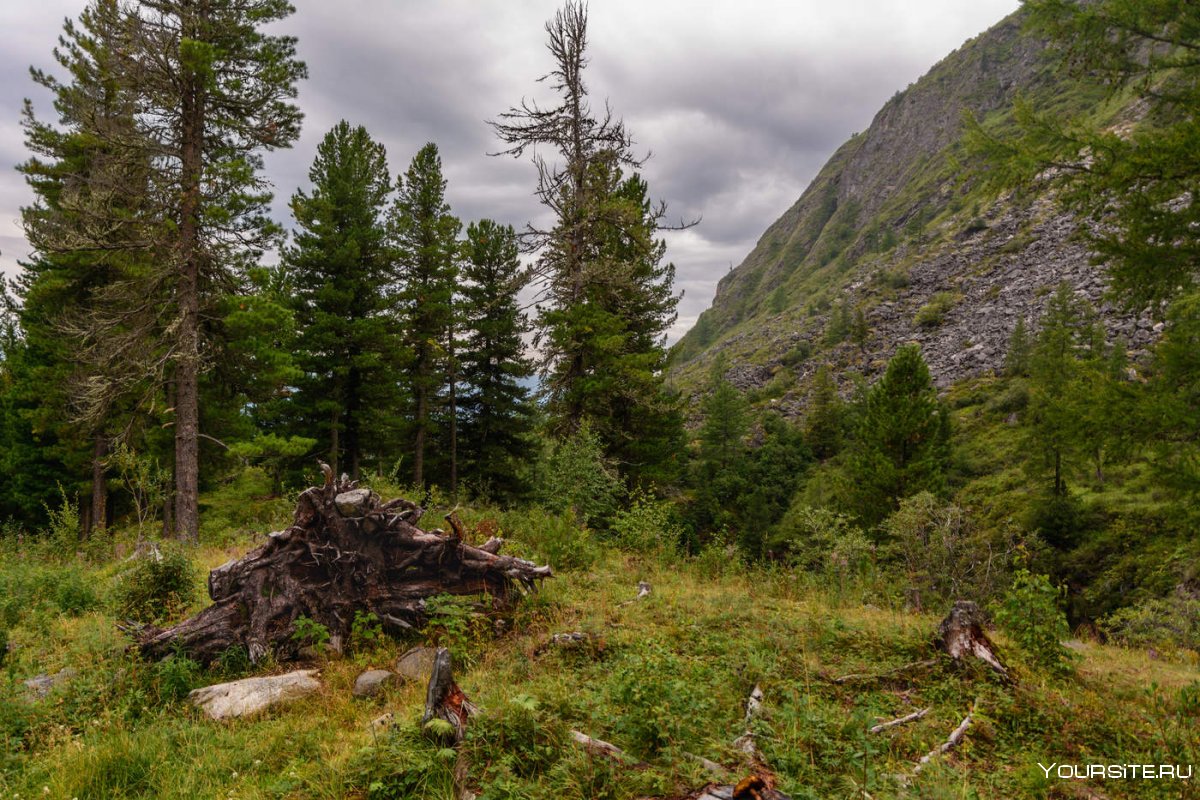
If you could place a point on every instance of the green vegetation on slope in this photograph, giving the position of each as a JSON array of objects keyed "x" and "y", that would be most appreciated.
[{"x": 663, "y": 677}]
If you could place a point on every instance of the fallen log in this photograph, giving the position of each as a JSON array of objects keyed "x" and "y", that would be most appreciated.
[
  {"x": 955, "y": 737},
  {"x": 913, "y": 717},
  {"x": 347, "y": 552}
]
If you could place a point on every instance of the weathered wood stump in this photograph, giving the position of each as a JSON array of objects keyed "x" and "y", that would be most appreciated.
[
  {"x": 961, "y": 636},
  {"x": 345, "y": 552}
]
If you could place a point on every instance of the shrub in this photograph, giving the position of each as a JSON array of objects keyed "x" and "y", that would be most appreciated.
[
  {"x": 821, "y": 541},
  {"x": 310, "y": 633},
  {"x": 1031, "y": 615},
  {"x": 933, "y": 313},
  {"x": 61, "y": 536},
  {"x": 553, "y": 537},
  {"x": 659, "y": 702},
  {"x": 366, "y": 631},
  {"x": 1013, "y": 399},
  {"x": 1167, "y": 623},
  {"x": 576, "y": 476},
  {"x": 943, "y": 554},
  {"x": 158, "y": 587},
  {"x": 647, "y": 526}
]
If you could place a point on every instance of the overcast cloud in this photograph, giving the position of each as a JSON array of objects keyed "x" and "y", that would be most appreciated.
[{"x": 739, "y": 102}]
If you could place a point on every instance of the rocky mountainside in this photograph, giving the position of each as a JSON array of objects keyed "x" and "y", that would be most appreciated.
[{"x": 895, "y": 228}]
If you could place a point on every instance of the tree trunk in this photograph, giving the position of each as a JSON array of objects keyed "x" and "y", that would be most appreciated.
[
  {"x": 346, "y": 552},
  {"x": 453, "y": 422},
  {"x": 99, "y": 514},
  {"x": 334, "y": 443},
  {"x": 419, "y": 440},
  {"x": 187, "y": 373}
]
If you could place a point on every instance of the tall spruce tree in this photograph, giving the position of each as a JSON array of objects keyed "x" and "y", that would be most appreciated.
[
  {"x": 496, "y": 408},
  {"x": 607, "y": 297},
  {"x": 825, "y": 415},
  {"x": 427, "y": 252},
  {"x": 340, "y": 268},
  {"x": 726, "y": 423},
  {"x": 902, "y": 444},
  {"x": 224, "y": 97},
  {"x": 92, "y": 226},
  {"x": 212, "y": 91}
]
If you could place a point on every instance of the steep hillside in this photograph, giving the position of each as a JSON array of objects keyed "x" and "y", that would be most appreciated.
[{"x": 890, "y": 227}]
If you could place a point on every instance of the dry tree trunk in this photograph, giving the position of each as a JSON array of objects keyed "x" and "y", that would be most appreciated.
[{"x": 346, "y": 552}]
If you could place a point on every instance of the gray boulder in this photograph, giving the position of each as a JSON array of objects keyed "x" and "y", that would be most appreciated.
[
  {"x": 250, "y": 695},
  {"x": 372, "y": 682},
  {"x": 40, "y": 686},
  {"x": 416, "y": 664}
]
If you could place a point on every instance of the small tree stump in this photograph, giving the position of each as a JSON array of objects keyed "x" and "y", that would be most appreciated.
[{"x": 961, "y": 636}]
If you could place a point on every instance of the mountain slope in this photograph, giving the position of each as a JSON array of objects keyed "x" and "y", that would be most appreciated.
[{"x": 889, "y": 225}]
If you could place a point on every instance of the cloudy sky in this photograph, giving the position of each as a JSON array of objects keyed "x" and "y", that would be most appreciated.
[{"x": 740, "y": 101}]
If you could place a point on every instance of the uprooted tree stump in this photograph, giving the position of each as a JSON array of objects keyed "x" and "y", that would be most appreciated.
[{"x": 346, "y": 552}]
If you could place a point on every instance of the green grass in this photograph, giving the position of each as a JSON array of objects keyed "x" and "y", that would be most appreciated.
[{"x": 667, "y": 676}]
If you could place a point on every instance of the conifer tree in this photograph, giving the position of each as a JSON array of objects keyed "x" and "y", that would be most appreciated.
[
  {"x": 902, "y": 444},
  {"x": 726, "y": 423},
  {"x": 427, "y": 253},
  {"x": 1133, "y": 180},
  {"x": 825, "y": 415},
  {"x": 341, "y": 271},
  {"x": 91, "y": 226},
  {"x": 607, "y": 297},
  {"x": 210, "y": 92},
  {"x": 1020, "y": 349},
  {"x": 496, "y": 408}
]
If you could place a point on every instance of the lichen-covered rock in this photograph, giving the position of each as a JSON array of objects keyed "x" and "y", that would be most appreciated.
[
  {"x": 251, "y": 695},
  {"x": 372, "y": 682},
  {"x": 416, "y": 664},
  {"x": 353, "y": 503},
  {"x": 41, "y": 685}
]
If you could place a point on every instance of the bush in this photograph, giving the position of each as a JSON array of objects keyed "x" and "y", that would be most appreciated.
[
  {"x": 1013, "y": 399},
  {"x": 821, "y": 541},
  {"x": 933, "y": 313},
  {"x": 1168, "y": 624},
  {"x": 575, "y": 476},
  {"x": 1031, "y": 615},
  {"x": 659, "y": 702},
  {"x": 554, "y": 538},
  {"x": 158, "y": 587},
  {"x": 647, "y": 526},
  {"x": 943, "y": 554}
]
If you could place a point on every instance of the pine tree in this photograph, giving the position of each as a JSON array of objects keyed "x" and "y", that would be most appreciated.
[
  {"x": 607, "y": 297},
  {"x": 902, "y": 444},
  {"x": 496, "y": 408},
  {"x": 726, "y": 422},
  {"x": 860, "y": 331},
  {"x": 210, "y": 92},
  {"x": 427, "y": 258},
  {"x": 825, "y": 415},
  {"x": 91, "y": 227},
  {"x": 1020, "y": 349},
  {"x": 341, "y": 271}
]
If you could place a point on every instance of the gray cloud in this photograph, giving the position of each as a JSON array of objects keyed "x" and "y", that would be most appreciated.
[{"x": 740, "y": 102}]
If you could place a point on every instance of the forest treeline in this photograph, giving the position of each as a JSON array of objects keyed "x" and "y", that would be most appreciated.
[{"x": 148, "y": 344}]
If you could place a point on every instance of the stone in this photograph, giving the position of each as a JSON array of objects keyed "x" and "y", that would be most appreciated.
[
  {"x": 416, "y": 664},
  {"x": 251, "y": 695},
  {"x": 353, "y": 503},
  {"x": 40, "y": 686},
  {"x": 372, "y": 682}
]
